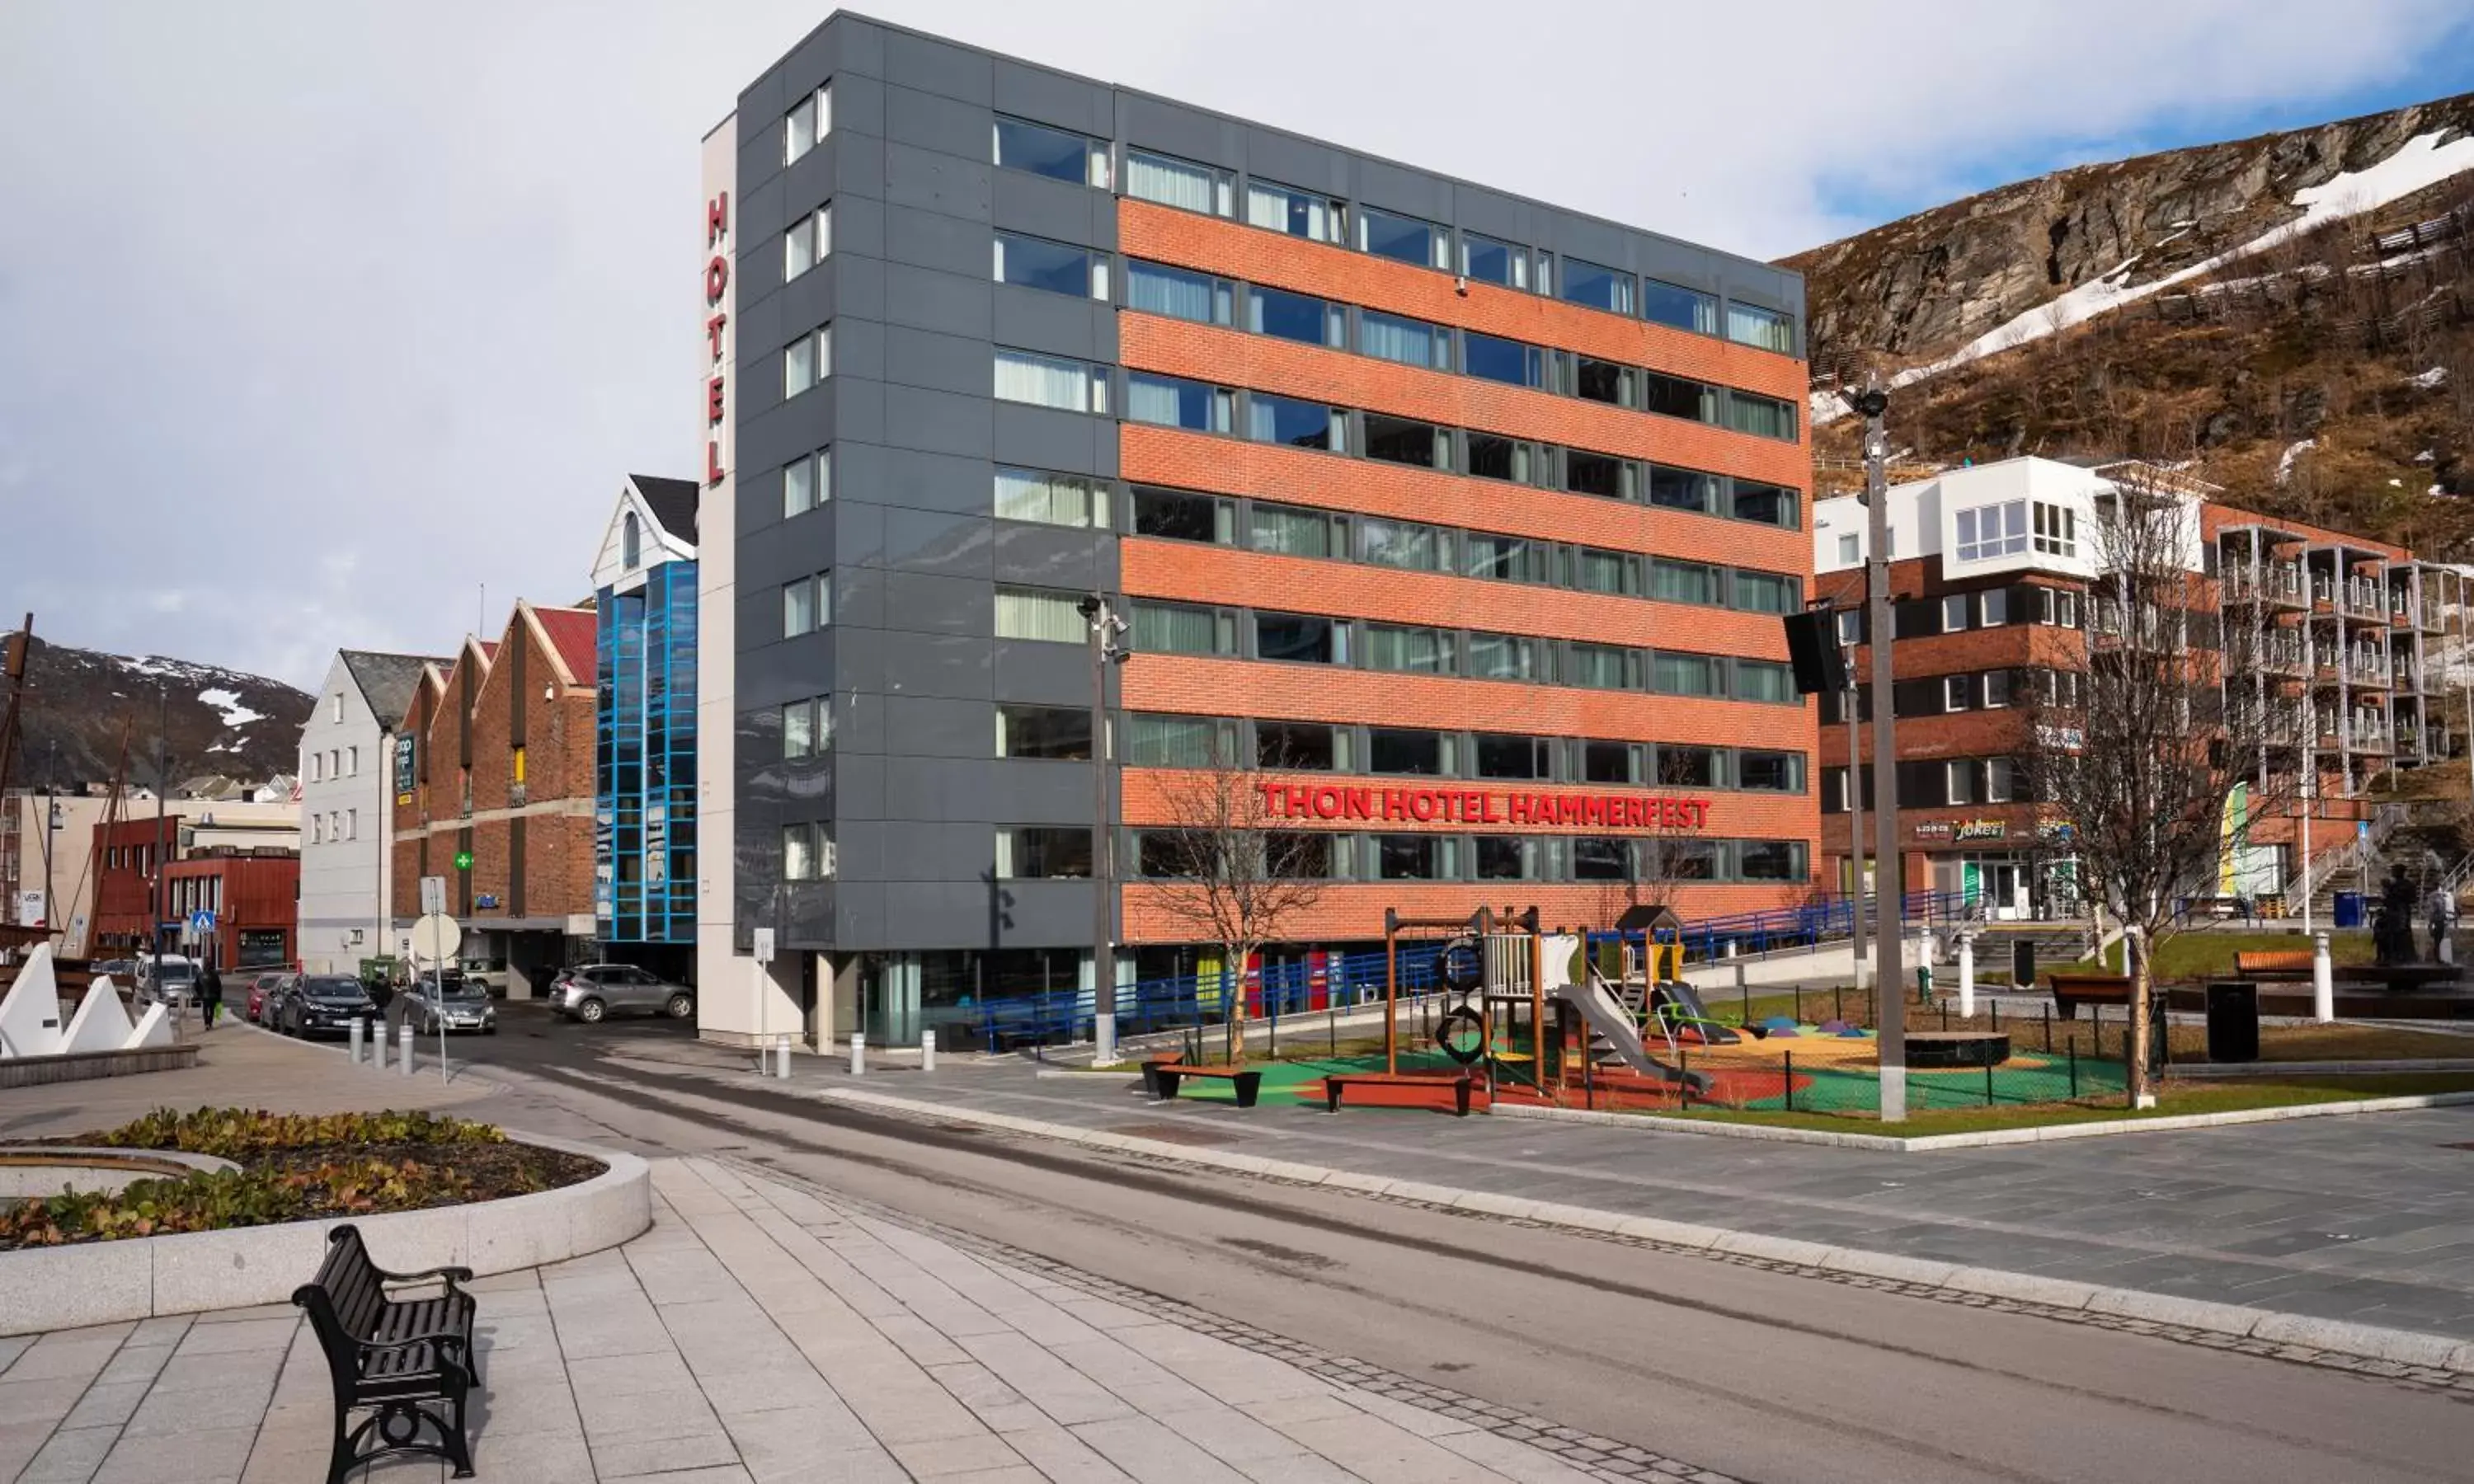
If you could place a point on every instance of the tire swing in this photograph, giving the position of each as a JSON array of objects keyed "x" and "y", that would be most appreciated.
[{"x": 1460, "y": 970}]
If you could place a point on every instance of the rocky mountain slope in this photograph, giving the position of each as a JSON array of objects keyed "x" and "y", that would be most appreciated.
[
  {"x": 216, "y": 721},
  {"x": 2294, "y": 314}
]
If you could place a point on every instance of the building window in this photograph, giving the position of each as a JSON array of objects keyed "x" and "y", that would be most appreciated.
[
  {"x": 1507, "y": 857},
  {"x": 2057, "y": 607},
  {"x": 1298, "y": 213},
  {"x": 1297, "y": 854},
  {"x": 1851, "y": 626},
  {"x": 1054, "y": 153},
  {"x": 1994, "y": 605},
  {"x": 1991, "y": 531},
  {"x": 1404, "y": 239},
  {"x": 317, "y": 767},
  {"x": 1684, "y": 309},
  {"x": 1769, "y": 329},
  {"x": 1294, "y": 422},
  {"x": 1053, "y": 267},
  {"x": 2001, "y": 780},
  {"x": 1679, "y": 397},
  {"x": 1176, "y": 515},
  {"x": 1155, "y": 741},
  {"x": 1402, "y": 751},
  {"x": 317, "y": 830},
  {"x": 806, "y": 727},
  {"x": 806, "y": 360},
  {"x": 1492, "y": 457},
  {"x": 1177, "y": 629},
  {"x": 1684, "y": 488},
  {"x": 1411, "y": 651},
  {"x": 810, "y": 241},
  {"x": 806, "y": 483},
  {"x": 1957, "y": 692},
  {"x": 1292, "y": 532},
  {"x": 1958, "y": 781},
  {"x": 1031, "y": 852},
  {"x": 1301, "y": 638},
  {"x": 1051, "y": 499},
  {"x": 1613, "y": 572},
  {"x": 1409, "y": 342},
  {"x": 1167, "y": 401},
  {"x": 1502, "y": 756},
  {"x": 1770, "y": 860},
  {"x": 1763, "y": 416},
  {"x": 1400, "y": 543},
  {"x": 1766, "y": 680},
  {"x": 352, "y": 823},
  {"x": 1298, "y": 317},
  {"x": 1770, "y": 773},
  {"x": 1061, "y": 732},
  {"x": 1506, "y": 559},
  {"x": 1493, "y": 358},
  {"x": 1954, "y": 613},
  {"x": 1594, "y": 380},
  {"x": 1596, "y": 286},
  {"x": 1410, "y": 857},
  {"x": 1768, "y": 593},
  {"x": 1041, "y": 613},
  {"x": 1598, "y": 474},
  {"x": 1300, "y": 746},
  {"x": 335, "y": 707},
  {"x": 1400, "y": 440},
  {"x": 1605, "y": 667},
  {"x": 2057, "y": 530},
  {"x": 352, "y": 762},
  {"x": 1179, "y": 183},
  {"x": 1489, "y": 261},
  {"x": 799, "y": 853},
  {"x": 807, "y": 124},
  {"x": 1601, "y": 858},
  {"x": 807, "y": 605},
  {"x": 1153, "y": 288},
  {"x": 1996, "y": 689},
  {"x": 631, "y": 540},
  {"x": 1671, "y": 674},
  {"x": 1682, "y": 582},
  {"x": 1051, "y": 381},
  {"x": 1850, "y": 549},
  {"x": 1612, "y": 762},
  {"x": 1507, "y": 656}
]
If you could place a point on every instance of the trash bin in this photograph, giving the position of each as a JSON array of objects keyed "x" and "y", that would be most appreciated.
[
  {"x": 2022, "y": 963},
  {"x": 2233, "y": 1021},
  {"x": 1923, "y": 984},
  {"x": 2349, "y": 909}
]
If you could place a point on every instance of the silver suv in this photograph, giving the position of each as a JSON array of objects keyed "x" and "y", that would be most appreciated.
[{"x": 596, "y": 991}]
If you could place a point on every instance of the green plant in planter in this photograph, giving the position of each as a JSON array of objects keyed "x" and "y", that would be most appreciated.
[{"x": 237, "y": 1132}]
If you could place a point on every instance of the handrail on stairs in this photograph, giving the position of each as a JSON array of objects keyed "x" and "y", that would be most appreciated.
[{"x": 2353, "y": 853}]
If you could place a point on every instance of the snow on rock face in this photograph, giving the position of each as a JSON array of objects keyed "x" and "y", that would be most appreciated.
[
  {"x": 2285, "y": 460},
  {"x": 2430, "y": 380},
  {"x": 228, "y": 703}
]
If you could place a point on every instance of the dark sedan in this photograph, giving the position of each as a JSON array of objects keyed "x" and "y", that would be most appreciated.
[{"x": 324, "y": 1005}]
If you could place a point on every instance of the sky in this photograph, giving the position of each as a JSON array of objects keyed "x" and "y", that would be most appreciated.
[{"x": 319, "y": 320}]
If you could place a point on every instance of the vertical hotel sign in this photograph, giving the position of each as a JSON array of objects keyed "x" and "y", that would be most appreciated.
[{"x": 716, "y": 324}]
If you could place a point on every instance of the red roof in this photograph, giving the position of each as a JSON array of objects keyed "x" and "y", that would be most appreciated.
[
  {"x": 489, "y": 649},
  {"x": 575, "y": 633}
]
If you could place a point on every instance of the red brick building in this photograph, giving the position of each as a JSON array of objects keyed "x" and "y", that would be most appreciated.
[
  {"x": 254, "y": 892},
  {"x": 501, "y": 772}
]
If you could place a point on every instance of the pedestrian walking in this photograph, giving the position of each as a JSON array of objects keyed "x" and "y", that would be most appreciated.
[{"x": 210, "y": 994}]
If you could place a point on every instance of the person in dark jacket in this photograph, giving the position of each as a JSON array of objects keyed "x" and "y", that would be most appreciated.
[{"x": 210, "y": 994}]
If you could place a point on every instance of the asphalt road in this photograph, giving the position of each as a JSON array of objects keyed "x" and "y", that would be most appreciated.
[{"x": 1760, "y": 1375}]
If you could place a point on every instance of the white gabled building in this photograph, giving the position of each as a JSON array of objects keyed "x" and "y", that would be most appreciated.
[{"x": 348, "y": 808}]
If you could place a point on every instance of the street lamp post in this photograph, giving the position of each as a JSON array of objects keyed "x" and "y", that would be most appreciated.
[
  {"x": 1106, "y": 631},
  {"x": 1871, "y": 404}
]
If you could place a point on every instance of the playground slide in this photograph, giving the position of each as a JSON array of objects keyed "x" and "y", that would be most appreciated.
[
  {"x": 1606, "y": 1016},
  {"x": 1691, "y": 1011}
]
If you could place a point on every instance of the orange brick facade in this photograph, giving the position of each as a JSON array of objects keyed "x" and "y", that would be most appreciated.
[{"x": 1235, "y": 577}]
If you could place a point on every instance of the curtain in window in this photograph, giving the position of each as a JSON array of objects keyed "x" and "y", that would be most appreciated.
[
  {"x": 1682, "y": 675},
  {"x": 1504, "y": 657},
  {"x": 1766, "y": 328},
  {"x": 1398, "y": 543},
  {"x": 1171, "y": 403},
  {"x": 798, "y": 728},
  {"x": 799, "y": 366},
  {"x": 1405, "y": 340},
  {"x": 1598, "y": 666},
  {"x": 1043, "y": 381},
  {"x": 1766, "y": 417},
  {"x": 1682, "y": 582},
  {"x": 1028, "y": 614},
  {"x": 1174, "y": 741},
  {"x": 1184, "y": 296},
  {"x": 1759, "y": 680},
  {"x": 1765, "y": 592},
  {"x": 1159, "y": 629},
  {"x": 798, "y": 608},
  {"x": 1171, "y": 182},
  {"x": 1294, "y": 533},
  {"x": 1419, "y": 651},
  {"x": 1051, "y": 499},
  {"x": 1604, "y": 571},
  {"x": 798, "y": 853}
]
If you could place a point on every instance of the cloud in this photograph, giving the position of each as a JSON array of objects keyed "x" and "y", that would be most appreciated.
[{"x": 289, "y": 279}]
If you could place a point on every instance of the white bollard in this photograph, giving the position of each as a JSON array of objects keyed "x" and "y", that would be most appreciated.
[
  {"x": 1966, "y": 976},
  {"x": 858, "y": 1054},
  {"x": 2323, "y": 981},
  {"x": 359, "y": 1028},
  {"x": 1103, "y": 1039},
  {"x": 927, "y": 1049},
  {"x": 404, "y": 1046},
  {"x": 782, "y": 1053}
]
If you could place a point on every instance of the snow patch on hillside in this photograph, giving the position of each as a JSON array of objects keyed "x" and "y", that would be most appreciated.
[
  {"x": 2285, "y": 460},
  {"x": 228, "y": 701}
]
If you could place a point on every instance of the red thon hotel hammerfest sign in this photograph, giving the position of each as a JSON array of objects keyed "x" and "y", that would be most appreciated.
[{"x": 1483, "y": 807}]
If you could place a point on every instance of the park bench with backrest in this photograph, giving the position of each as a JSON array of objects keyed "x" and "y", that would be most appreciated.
[
  {"x": 2274, "y": 964},
  {"x": 1161, "y": 1077},
  {"x": 408, "y": 1362},
  {"x": 2071, "y": 990}
]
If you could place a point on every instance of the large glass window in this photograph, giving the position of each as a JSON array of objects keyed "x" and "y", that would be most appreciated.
[
  {"x": 1041, "y": 613},
  {"x": 806, "y": 727},
  {"x": 1685, "y": 310},
  {"x": 1300, "y": 746},
  {"x": 1773, "y": 772},
  {"x": 806, "y": 483},
  {"x": 1605, "y": 667},
  {"x": 1298, "y": 317},
  {"x": 1175, "y": 629},
  {"x": 1770, "y": 860},
  {"x": 1180, "y": 183},
  {"x": 1507, "y": 656},
  {"x": 1042, "y": 150},
  {"x": 1301, "y": 854},
  {"x": 1508, "y": 361},
  {"x": 1051, "y": 499},
  {"x": 809, "y": 241},
  {"x": 1682, "y": 582},
  {"x": 1051, "y": 381},
  {"x": 807, "y": 605},
  {"x": 1171, "y": 402},
  {"x": 1771, "y": 505},
  {"x": 1494, "y": 262},
  {"x": 1989, "y": 531},
  {"x": 806, "y": 360},
  {"x": 1409, "y": 342},
  {"x": 807, "y": 124},
  {"x": 1292, "y": 532},
  {"x": 1768, "y": 593},
  {"x": 1601, "y": 858},
  {"x": 1766, "y": 679},
  {"x": 1494, "y": 457},
  {"x": 1400, "y": 440},
  {"x": 1401, "y": 543},
  {"x": 1671, "y": 674},
  {"x": 1043, "y": 851},
  {"x": 1506, "y": 755},
  {"x": 1690, "y": 767},
  {"x": 1409, "y": 857},
  {"x": 1154, "y": 288},
  {"x": 1414, "y": 651},
  {"x": 1597, "y": 473},
  {"x": 1610, "y": 762},
  {"x": 1055, "y": 267},
  {"x": 1764, "y": 417},
  {"x": 1507, "y": 857},
  {"x": 799, "y": 853},
  {"x": 1298, "y": 213},
  {"x": 1403, "y": 239},
  {"x": 1681, "y": 858},
  {"x": 1301, "y": 638},
  {"x": 1155, "y": 741},
  {"x": 1299, "y": 424},
  {"x": 1506, "y": 559},
  {"x": 1052, "y": 732},
  {"x": 1684, "y": 488},
  {"x": 1402, "y": 751},
  {"x": 1594, "y": 380},
  {"x": 1606, "y": 571},
  {"x": 2057, "y": 530},
  {"x": 1179, "y": 516},
  {"x": 1750, "y": 324},
  {"x": 1677, "y": 396},
  {"x": 1597, "y": 286}
]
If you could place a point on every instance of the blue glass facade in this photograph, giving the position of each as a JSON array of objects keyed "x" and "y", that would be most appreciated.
[{"x": 645, "y": 819}]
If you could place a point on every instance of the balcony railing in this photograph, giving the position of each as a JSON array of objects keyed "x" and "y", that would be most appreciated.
[
  {"x": 2276, "y": 582},
  {"x": 2368, "y": 734},
  {"x": 2283, "y": 657},
  {"x": 2365, "y": 599},
  {"x": 2367, "y": 668}
]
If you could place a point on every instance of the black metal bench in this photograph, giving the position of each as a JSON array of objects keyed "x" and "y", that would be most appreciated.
[
  {"x": 393, "y": 1357},
  {"x": 1160, "y": 1078}
]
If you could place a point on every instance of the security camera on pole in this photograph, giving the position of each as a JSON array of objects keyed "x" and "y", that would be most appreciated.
[
  {"x": 1890, "y": 919},
  {"x": 1106, "y": 629}
]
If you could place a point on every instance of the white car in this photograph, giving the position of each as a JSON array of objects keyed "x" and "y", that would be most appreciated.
[{"x": 176, "y": 984}]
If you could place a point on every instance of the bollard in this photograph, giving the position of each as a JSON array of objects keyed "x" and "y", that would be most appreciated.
[
  {"x": 359, "y": 1028},
  {"x": 1966, "y": 976},
  {"x": 2074, "y": 1065},
  {"x": 1787, "y": 1078},
  {"x": 2324, "y": 983},
  {"x": 1103, "y": 1039},
  {"x": 927, "y": 1049},
  {"x": 782, "y": 1059},
  {"x": 403, "y": 1047},
  {"x": 858, "y": 1053},
  {"x": 1988, "y": 1084}
]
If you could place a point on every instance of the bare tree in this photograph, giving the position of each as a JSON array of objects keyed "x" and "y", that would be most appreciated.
[
  {"x": 1231, "y": 875},
  {"x": 2140, "y": 750}
]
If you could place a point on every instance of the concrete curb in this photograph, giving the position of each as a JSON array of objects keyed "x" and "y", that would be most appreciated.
[
  {"x": 1988, "y": 1138},
  {"x": 424, "y": 1058},
  {"x": 44, "y": 1288},
  {"x": 2201, "y": 1070},
  {"x": 2403, "y": 1347}
]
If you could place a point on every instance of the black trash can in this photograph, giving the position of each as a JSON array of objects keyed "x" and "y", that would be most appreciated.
[
  {"x": 2022, "y": 963},
  {"x": 2233, "y": 1021}
]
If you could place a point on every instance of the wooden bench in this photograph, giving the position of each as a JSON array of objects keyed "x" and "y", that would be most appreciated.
[
  {"x": 1408, "y": 1090},
  {"x": 1160, "y": 1079},
  {"x": 2274, "y": 964},
  {"x": 2071, "y": 990},
  {"x": 392, "y": 1358}
]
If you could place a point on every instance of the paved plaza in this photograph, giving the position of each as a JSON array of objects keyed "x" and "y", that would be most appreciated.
[{"x": 761, "y": 1332}]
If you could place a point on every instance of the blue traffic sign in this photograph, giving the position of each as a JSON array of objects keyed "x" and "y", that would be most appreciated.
[{"x": 202, "y": 921}]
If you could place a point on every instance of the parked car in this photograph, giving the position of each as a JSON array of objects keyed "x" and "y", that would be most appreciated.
[
  {"x": 451, "y": 1000},
  {"x": 171, "y": 980},
  {"x": 490, "y": 973},
  {"x": 322, "y": 1005},
  {"x": 123, "y": 971},
  {"x": 262, "y": 991},
  {"x": 591, "y": 991}
]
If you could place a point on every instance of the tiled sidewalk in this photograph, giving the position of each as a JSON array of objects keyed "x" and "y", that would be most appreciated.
[{"x": 762, "y": 1333}]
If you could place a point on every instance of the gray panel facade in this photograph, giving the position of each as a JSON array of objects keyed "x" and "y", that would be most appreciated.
[{"x": 910, "y": 791}]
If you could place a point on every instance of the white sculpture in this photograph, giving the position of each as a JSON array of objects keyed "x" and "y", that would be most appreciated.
[
  {"x": 30, "y": 1016},
  {"x": 101, "y": 1023}
]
